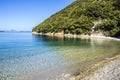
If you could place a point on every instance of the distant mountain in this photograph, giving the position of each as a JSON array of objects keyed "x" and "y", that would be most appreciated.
[
  {"x": 85, "y": 17},
  {"x": 2, "y": 31},
  {"x": 25, "y": 31},
  {"x": 13, "y": 31}
]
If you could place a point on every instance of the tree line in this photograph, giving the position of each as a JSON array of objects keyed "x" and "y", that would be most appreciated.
[{"x": 79, "y": 17}]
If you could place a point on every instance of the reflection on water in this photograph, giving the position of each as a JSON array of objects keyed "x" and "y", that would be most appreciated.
[{"x": 24, "y": 53}]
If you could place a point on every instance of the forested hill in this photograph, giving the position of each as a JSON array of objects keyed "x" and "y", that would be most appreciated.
[{"x": 81, "y": 17}]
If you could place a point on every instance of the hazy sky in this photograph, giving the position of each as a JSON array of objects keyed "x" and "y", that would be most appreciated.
[{"x": 25, "y": 14}]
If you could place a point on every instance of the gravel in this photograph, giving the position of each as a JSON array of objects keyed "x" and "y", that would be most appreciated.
[{"x": 110, "y": 70}]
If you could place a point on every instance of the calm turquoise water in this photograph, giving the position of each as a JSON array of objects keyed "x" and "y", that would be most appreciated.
[{"x": 24, "y": 53}]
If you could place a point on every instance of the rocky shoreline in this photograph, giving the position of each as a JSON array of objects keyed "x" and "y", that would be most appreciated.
[
  {"x": 108, "y": 69},
  {"x": 61, "y": 34}
]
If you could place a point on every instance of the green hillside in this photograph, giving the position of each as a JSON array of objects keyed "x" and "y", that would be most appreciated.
[{"x": 79, "y": 18}]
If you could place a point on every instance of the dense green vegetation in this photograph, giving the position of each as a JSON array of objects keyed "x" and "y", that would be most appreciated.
[{"x": 79, "y": 17}]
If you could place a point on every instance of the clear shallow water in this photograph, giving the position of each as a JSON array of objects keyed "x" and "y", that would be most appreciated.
[{"x": 24, "y": 53}]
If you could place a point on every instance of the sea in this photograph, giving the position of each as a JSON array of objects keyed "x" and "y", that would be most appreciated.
[{"x": 23, "y": 54}]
